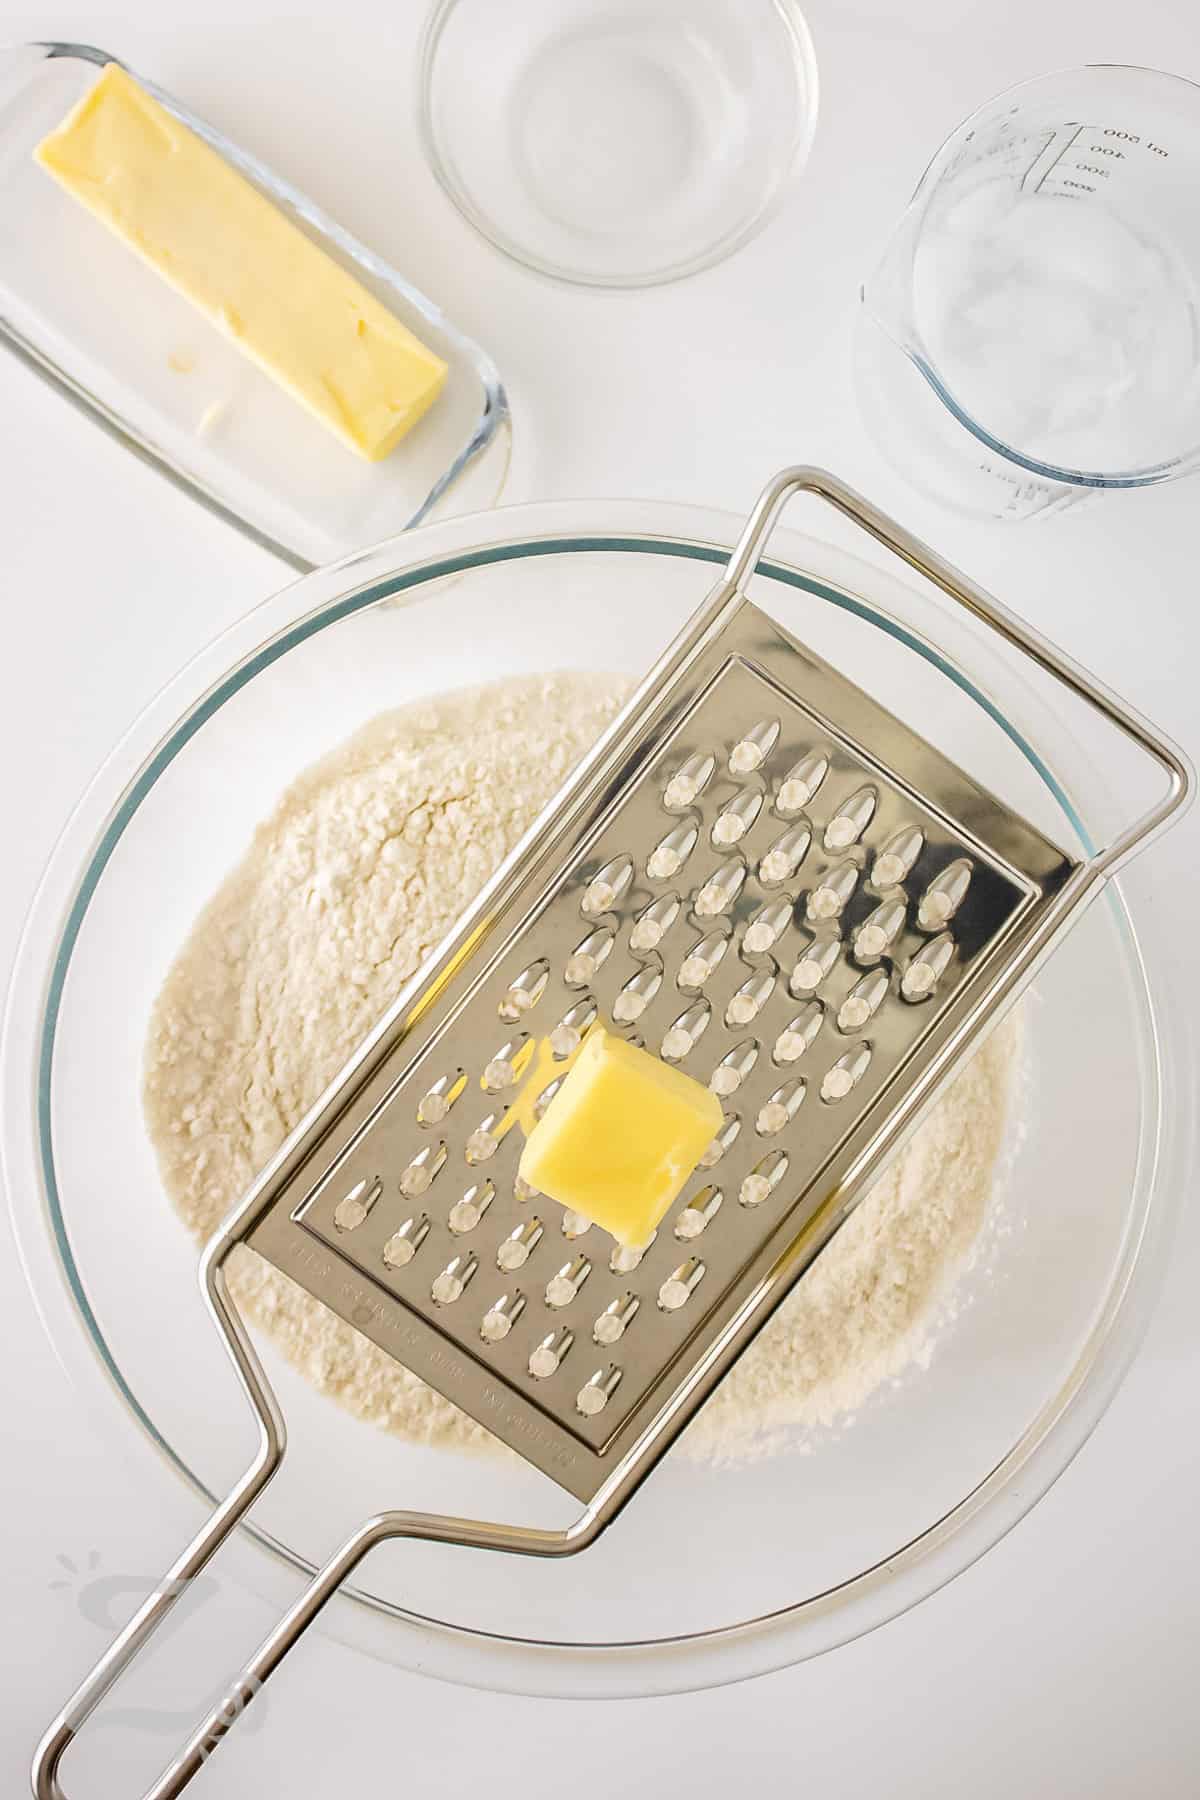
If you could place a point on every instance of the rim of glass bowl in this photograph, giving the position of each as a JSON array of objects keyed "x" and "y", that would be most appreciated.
[
  {"x": 804, "y": 56},
  {"x": 458, "y": 1653}
]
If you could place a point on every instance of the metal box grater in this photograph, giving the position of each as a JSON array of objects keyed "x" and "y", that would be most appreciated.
[
  {"x": 405, "y": 1224},
  {"x": 768, "y": 880}
]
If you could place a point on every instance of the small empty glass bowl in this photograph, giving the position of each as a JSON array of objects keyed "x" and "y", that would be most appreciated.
[{"x": 618, "y": 145}]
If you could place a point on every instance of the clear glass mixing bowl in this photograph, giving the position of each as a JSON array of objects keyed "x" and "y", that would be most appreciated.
[{"x": 710, "y": 1575}]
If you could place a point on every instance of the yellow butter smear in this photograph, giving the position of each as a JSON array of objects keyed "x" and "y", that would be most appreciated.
[
  {"x": 218, "y": 241},
  {"x": 540, "y": 1065},
  {"x": 620, "y": 1137}
]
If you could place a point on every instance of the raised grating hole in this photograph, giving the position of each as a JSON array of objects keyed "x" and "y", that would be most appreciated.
[
  {"x": 927, "y": 967},
  {"x": 767, "y": 926},
  {"x": 799, "y": 1033},
  {"x": 524, "y": 992},
  {"x": 466, "y": 1213},
  {"x": 403, "y": 1244},
  {"x": 851, "y": 819},
  {"x": 879, "y": 931},
  {"x": 734, "y": 821},
  {"x": 652, "y": 925},
  {"x": 722, "y": 888},
  {"x": 562, "y": 1288},
  {"x": 437, "y": 1099},
  {"x": 751, "y": 751},
  {"x": 846, "y": 1073},
  {"x": 607, "y": 886},
  {"x": 483, "y": 1143},
  {"x": 763, "y": 1179},
  {"x": 669, "y": 856},
  {"x": 503, "y": 1068},
  {"x": 826, "y": 901},
  {"x": 615, "y": 1320},
  {"x": 785, "y": 855},
  {"x": 419, "y": 1175},
  {"x": 944, "y": 895},
  {"x": 515, "y": 1250},
  {"x": 500, "y": 1317},
  {"x": 680, "y": 1285},
  {"x": 623, "y": 1259},
  {"x": 800, "y": 783},
  {"x": 567, "y": 1035},
  {"x": 749, "y": 999},
  {"x": 546, "y": 1358},
  {"x": 681, "y": 1038},
  {"x": 689, "y": 781},
  {"x": 588, "y": 957},
  {"x": 896, "y": 858},
  {"x": 353, "y": 1208},
  {"x": 778, "y": 1112},
  {"x": 597, "y": 1391},
  {"x": 452, "y": 1282},
  {"x": 733, "y": 1069},
  {"x": 702, "y": 960},
  {"x": 863, "y": 1001},
  {"x": 699, "y": 1212},
  {"x": 814, "y": 965},
  {"x": 636, "y": 995}
]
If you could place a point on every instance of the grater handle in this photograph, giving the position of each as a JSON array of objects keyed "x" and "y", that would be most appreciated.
[
  {"x": 470, "y": 1533},
  {"x": 960, "y": 588}
]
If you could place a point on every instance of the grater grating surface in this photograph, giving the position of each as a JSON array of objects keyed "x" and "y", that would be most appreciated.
[
  {"x": 761, "y": 874},
  {"x": 792, "y": 910}
]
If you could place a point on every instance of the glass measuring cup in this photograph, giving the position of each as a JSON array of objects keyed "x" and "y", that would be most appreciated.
[{"x": 1032, "y": 333}]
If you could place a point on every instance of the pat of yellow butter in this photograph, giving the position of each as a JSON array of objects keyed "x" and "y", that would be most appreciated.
[
  {"x": 620, "y": 1137},
  {"x": 205, "y": 229}
]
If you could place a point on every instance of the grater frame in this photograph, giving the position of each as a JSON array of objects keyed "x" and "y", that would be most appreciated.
[
  {"x": 1079, "y": 884},
  {"x": 731, "y": 665}
]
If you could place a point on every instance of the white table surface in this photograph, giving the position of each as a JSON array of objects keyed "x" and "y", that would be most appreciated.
[{"x": 1064, "y": 1664}]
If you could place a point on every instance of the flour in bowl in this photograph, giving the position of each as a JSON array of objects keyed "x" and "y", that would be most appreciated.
[{"x": 360, "y": 871}]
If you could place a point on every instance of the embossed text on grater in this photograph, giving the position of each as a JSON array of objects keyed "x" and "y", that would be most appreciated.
[{"x": 769, "y": 881}]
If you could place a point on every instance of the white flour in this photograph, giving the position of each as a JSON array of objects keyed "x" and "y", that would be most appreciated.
[{"x": 360, "y": 871}]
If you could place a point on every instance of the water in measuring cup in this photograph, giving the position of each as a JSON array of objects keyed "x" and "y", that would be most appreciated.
[{"x": 1060, "y": 328}]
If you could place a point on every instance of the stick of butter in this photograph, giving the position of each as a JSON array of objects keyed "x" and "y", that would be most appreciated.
[
  {"x": 205, "y": 229},
  {"x": 620, "y": 1137}
]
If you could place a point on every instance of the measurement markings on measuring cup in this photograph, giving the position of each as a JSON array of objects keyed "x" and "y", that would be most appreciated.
[
  {"x": 1092, "y": 151},
  {"x": 1055, "y": 157}
]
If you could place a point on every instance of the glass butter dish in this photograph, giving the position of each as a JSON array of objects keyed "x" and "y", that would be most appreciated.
[{"x": 144, "y": 362}]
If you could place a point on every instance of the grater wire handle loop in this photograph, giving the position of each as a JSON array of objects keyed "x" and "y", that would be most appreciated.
[
  {"x": 984, "y": 607},
  {"x": 217, "y": 1529}
]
